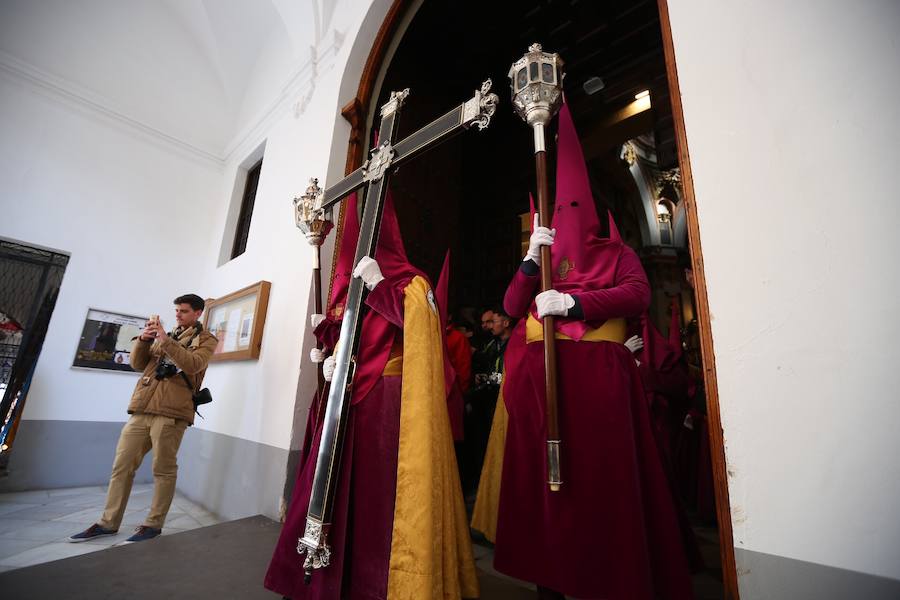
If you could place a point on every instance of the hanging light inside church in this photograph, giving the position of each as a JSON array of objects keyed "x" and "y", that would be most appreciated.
[{"x": 641, "y": 101}]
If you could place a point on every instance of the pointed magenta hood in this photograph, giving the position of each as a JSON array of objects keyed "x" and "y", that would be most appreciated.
[
  {"x": 582, "y": 259},
  {"x": 390, "y": 252},
  {"x": 343, "y": 267}
]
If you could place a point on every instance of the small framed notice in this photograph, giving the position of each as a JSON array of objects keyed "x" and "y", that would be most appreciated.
[
  {"x": 106, "y": 340},
  {"x": 237, "y": 321}
]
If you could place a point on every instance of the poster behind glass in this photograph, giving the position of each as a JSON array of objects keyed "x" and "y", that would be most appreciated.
[
  {"x": 232, "y": 324},
  {"x": 106, "y": 341}
]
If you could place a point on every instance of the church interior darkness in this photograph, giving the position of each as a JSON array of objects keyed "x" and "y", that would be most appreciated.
[{"x": 469, "y": 195}]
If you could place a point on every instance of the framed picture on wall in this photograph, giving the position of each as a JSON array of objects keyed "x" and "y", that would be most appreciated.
[
  {"x": 237, "y": 321},
  {"x": 106, "y": 340}
]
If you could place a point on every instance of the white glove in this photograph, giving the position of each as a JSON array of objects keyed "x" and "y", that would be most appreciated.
[
  {"x": 368, "y": 270},
  {"x": 328, "y": 368},
  {"x": 315, "y": 319},
  {"x": 634, "y": 343},
  {"x": 316, "y": 355},
  {"x": 554, "y": 303},
  {"x": 542, "y": 236}
]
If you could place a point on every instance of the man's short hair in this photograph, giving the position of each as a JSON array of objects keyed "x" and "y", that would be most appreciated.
[
  {"x": 497, "y": 310},
  {"x": 196, "y": 302}
]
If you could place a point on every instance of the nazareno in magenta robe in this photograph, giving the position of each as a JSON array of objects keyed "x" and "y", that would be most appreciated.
[
  {"x": 360, "y": 553},
  {"x": 611, "y": 532},
  {"x": 364, "y": 504}
]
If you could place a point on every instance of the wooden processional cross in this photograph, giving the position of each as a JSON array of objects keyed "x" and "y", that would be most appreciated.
[{"x": 375, "y": 175}]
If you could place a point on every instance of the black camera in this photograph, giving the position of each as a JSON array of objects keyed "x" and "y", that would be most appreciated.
[{"x": 164, "y": 370}]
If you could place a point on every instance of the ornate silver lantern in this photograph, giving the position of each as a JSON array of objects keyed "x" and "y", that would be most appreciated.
[
  {"x": 309, "y": 216},
  {"x": 536, "y": 82}
]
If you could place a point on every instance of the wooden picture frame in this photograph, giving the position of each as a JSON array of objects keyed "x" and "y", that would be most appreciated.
[{"x": 237, "y": 320}]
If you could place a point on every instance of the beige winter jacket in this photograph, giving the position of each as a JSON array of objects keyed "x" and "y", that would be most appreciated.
[{"x": 170, "y": 397}]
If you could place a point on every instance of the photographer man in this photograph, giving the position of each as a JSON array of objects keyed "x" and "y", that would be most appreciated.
[{"x": 161, "y": 409}]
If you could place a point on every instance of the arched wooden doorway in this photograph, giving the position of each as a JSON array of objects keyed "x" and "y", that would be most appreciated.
[{"x": 357, "y": 113}]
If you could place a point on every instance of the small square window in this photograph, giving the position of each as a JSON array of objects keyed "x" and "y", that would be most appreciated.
[{"x": 242, "y": 231}]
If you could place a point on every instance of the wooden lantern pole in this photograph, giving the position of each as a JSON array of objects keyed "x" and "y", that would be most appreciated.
[
  {"x": 536, "y": 81},
  {"x": 311, "y": 219}
]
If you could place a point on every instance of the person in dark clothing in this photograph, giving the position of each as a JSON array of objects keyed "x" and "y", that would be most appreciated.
[{"x": 487, "y": 366}]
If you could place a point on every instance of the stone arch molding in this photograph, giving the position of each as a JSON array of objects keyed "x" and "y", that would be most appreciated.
[{"x": 651, "y": 181}]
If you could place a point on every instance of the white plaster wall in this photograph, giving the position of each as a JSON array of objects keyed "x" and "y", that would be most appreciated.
[
  {"x": 792, "y": 119},
  {"x": 73, "y": 170},
  {"x": 133, "y": 216},
  {"x": 255, "y": 400},
  {"x": 132, "y": 55},
  {"x": 131, "y": 208}
]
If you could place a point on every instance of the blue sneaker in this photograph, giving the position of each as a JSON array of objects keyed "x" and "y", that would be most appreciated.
[
  {"x": 143, "y": 533},
  {"x": 91, "y": 533}
]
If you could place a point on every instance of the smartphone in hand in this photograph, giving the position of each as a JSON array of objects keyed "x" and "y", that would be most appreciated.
[{"x": 154, "y": 320}]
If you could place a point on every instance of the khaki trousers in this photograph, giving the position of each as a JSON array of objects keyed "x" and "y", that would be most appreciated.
[{"x": 141, "y": 433}]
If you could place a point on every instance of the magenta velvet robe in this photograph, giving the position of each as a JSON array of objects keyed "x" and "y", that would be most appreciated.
[
  {"x": 666, "y": 386},
  {"x": 364, "y": 501},
  {"x": 612, "y": 531}
]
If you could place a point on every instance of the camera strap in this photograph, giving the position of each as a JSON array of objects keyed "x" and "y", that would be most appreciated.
[
  {"x": 174, "y": 334},
  {"x": 187, "y": 381},
  {"x": 199, "y": 397}
]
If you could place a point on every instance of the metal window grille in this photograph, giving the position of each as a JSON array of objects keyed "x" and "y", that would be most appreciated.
[{"x": 30, "y": 279}]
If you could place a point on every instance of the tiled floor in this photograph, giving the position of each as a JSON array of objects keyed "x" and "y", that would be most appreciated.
[{"x": 35, "y": 525}]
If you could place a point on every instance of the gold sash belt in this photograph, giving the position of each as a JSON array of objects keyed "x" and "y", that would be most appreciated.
[
  {"x": 394, "y": 366},
  {"x": 614, "y": 330}
]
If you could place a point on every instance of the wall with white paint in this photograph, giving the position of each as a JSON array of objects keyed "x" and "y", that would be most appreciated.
[
  {"x": 132, "y": 215},
  {"x": 792, "y": 118},
  {"x": 145, "y": 205},
  {"x": 306, "y": 139}
]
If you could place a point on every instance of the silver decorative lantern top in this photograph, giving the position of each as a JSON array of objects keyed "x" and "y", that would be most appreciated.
[
  {"x": 309, "y": 215},
  {"x": 536, "y": 83}
]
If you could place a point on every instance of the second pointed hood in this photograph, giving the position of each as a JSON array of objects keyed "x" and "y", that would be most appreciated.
[
  {"x": 582, "y": 258},
  {"x": 390, "y": 252},
  {"x": 343, "y": 266}
]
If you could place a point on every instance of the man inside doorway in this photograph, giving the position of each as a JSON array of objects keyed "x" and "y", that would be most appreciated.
[
  {"x": 501, "y": 330},
  {"x": 482, "y": 337},
  {"x": 481, "y": 402},
  {"x": 487, "y": 321}
]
